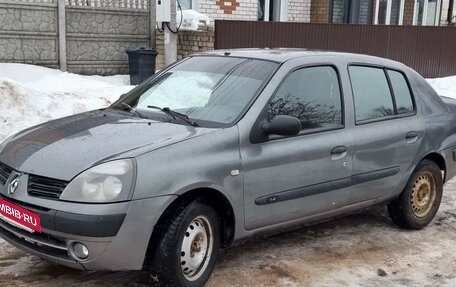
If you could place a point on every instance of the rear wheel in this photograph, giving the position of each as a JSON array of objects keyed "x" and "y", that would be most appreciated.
[
  {"x": 188, "y": 247},
  {"x": 420, "y": 199}
]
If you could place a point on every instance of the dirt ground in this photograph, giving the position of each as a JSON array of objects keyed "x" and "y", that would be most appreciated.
[{"x": 360, "y": 250}]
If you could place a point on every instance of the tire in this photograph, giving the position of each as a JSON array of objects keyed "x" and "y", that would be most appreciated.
[
  {"x": 190, "y": 235},
  {"x": 420, "y": 200}
]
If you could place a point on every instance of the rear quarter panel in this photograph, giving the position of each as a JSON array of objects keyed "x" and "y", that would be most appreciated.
[{"x": 440, "y": 124}]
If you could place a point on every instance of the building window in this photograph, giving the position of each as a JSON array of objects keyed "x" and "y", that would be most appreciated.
[
  {"x": 389, "y": 12},
  {"x": 273, "y": 10},
  {"x": 351, "y": 11},
  {"x": 189, "y": 4},
  {"x": 427, "y": 12}
]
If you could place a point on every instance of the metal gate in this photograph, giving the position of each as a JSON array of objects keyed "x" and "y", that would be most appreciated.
[{"x": 431, "y": 51}]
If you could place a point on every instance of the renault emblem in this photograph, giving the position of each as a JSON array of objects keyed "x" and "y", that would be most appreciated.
[{"x": 13, "y": 185}]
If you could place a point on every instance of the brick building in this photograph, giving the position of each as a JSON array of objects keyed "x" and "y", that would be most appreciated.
[
  {"x": 389, "y": 12},
  {"x": 252, "y": 10}
]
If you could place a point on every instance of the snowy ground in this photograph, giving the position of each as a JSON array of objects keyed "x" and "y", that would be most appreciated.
[{"x": 344, "y": 252}]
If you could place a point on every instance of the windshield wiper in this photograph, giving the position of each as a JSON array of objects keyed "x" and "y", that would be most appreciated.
[
  {"x": 175, "y": 115},
  {"x": 132, "y": 110}
]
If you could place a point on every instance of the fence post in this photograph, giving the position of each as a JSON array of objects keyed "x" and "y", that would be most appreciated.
[
  {"x": 62, "y": 34},
  {"x": 152, "y": 23},
  {"x": 170, "y": 38}
]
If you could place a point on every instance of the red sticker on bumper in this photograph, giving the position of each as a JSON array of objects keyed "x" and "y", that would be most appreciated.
[{"x": 20, "y": 216}]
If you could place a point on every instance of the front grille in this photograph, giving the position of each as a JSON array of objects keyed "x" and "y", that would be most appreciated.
[
  {"x": 5, "y": 172},
  {"x": 31, "y": 207},
  {"x": 45, "y": 187},
  {"x": 38, "y": 242}
]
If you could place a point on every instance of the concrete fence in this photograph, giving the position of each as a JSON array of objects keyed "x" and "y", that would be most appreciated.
[
  {"x": 84, "y": 36},
  {"x": 138, "y": 4},
  {"x": 29, "y": 32}
]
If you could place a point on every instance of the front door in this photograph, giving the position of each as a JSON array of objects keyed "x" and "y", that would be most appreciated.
[{"x": 286, "y": 178}]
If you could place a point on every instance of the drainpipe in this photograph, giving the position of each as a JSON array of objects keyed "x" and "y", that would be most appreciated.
[{"x": 450, "y": 12}]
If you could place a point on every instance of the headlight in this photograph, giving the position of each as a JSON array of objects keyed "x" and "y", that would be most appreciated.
[{"x": 107, "y": 182}]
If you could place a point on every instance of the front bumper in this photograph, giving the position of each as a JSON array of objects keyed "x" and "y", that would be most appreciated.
[{"x": 117, "y": 240}]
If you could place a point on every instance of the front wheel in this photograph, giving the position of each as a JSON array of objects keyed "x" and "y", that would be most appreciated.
[
  {"x": 419, "y": 201},
  {"x": 188, "y": 247}
]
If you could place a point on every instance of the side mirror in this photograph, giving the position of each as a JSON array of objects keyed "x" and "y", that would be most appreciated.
[{"x": 282, "y": 125}]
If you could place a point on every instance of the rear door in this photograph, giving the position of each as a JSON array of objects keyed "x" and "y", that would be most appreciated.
[{"x": 387, "y": 132}]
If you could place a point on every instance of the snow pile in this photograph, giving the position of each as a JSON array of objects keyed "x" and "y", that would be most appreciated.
[
  {"x": 30, "y": 95},
  {"x": 444, "y": 86},
  {"x": 191, "y": 20}
]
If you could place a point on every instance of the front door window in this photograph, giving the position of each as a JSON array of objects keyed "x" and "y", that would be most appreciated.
[{"x": 312, "y": 95}]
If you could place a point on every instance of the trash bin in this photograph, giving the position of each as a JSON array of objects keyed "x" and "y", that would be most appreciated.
[{"x": 141, "y": 62}]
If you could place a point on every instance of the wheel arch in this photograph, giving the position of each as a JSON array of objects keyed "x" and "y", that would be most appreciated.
[
  {"x": 439, "y": 160},
  {"x": 210, "y": 196}
]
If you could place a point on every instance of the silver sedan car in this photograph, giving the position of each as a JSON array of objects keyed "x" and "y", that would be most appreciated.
[{"x": 223, "y": 146}]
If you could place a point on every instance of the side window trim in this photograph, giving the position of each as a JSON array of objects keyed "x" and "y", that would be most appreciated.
[
  {"x": 385, "y": 70},
  {"x": 390, "y": 85},
  {"x": 263, "y": 113}
]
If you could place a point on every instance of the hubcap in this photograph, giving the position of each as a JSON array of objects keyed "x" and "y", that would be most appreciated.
[
  {"x": 423, "y": 194},
  {"x": 196, "y": 248}
]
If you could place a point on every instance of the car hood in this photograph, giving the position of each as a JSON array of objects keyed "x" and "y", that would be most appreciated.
[{"x": 65, "y": 147}]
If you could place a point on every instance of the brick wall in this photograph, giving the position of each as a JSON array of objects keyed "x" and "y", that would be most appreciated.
[
  {"x": 408, "y": 12},
  {"x": 229, "y": 9},
  {"x": 319, "y": 12},
  {"x": 299, "y": 10},
  {"x": 189, "y": 42}
]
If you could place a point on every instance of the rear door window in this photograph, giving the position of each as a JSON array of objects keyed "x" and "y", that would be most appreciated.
[
  {"x": 371, "y": 93},
  {"x": 402, "y": 94}
]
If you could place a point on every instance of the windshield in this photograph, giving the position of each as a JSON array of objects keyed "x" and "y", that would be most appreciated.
[{"x": 209, "y": 90}]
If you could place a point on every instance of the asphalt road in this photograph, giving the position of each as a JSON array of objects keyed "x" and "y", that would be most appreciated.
[{"x": 351, "y": 251}]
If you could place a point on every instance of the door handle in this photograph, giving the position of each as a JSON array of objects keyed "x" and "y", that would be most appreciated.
[
  {"x": 411, "y": 137},
  {"x": 338, "y": 150}
]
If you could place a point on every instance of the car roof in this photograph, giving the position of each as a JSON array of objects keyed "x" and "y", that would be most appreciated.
[{"x": 282, "y": 55}]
